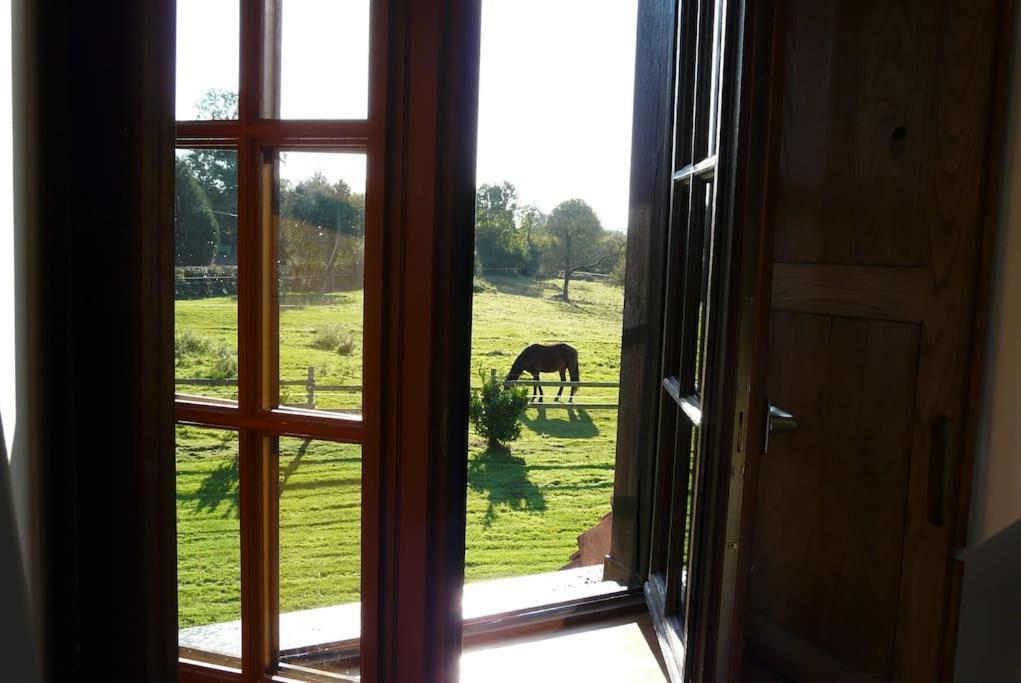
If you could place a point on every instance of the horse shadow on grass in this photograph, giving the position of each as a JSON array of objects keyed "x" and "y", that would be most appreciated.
[
  {"x": 503, "y": 477},
  {"x": 569, "y": 423}
]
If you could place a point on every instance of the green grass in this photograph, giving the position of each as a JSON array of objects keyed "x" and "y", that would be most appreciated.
[{"x": 526, "y": 504}]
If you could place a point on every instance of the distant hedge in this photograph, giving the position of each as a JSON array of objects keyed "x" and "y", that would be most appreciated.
[{"x": 197, "y": 282}]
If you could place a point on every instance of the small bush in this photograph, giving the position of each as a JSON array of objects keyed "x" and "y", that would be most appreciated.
[
  {"x": 333, "y": 338},
  {"x": 225, "y": 364},
  {"x": 481, "y": 284},
  {"x": 496, "y": 410},
  {"x": 187, "y": 343}
]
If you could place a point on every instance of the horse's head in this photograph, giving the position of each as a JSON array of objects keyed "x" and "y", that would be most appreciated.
[{"x": 515, "y": 371}]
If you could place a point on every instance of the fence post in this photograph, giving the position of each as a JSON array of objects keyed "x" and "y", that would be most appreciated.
[
  {"x": 492, "y": 375},
  {"x": 310, "y": 387}
]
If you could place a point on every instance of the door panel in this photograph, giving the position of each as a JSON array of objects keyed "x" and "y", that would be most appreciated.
[
  {"x": 829, "y": 534},
  {"x": 884, "y": 132}
]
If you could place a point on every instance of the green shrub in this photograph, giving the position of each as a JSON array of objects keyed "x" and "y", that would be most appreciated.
[
  {"x": 187, "y": 343},
  {"x": 225, "y": 363},
  {"x": 333, "y": 338},
  {"x": 496, "y": 410},
  {"x": 481, "y": 284}
]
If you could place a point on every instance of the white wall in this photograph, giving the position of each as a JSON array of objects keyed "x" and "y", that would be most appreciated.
[
  {"x": 996, "y": 494},
  {"x": 7, "y": 342}
]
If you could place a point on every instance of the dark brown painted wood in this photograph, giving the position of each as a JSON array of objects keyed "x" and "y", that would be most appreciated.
[
  {"x": 880, "y": 217},
  {"x": 93, "y": 169},
  {"x": 651, "y": 165}
]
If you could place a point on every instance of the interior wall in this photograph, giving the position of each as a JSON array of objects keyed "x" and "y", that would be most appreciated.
[{"x": 996, "y": 493}]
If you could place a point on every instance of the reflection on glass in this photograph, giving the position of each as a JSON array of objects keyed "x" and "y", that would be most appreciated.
[
  {"x": 692, "y": 456},
  {"x": 706, "y": 284},
  {"x": 207, "y": 59},
  {"x": 208, "y": 541},
  {"x": 324, "y": 59},
  {"x": 716, "y": 70},
  {"x": 321, "y": 229},
  {"x": 205, "y": 274},
  {"x": 320, "y": 551}
]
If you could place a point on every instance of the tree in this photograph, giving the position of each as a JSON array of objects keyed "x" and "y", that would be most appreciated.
[
  {"x": 532, "y": 222},
  {"x": 216, "y": 170},
  {"x": 196, "y": 233},
  {"x": 218, "y": 104},
  {"x": 498, "y": 242},
  {"x": 577, "y": 241},
  {"x": 322, "y": 227}
]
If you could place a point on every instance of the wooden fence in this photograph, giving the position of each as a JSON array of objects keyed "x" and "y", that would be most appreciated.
[{"x": 311, "y": 387}]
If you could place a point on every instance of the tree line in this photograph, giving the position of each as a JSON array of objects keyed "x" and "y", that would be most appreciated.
[
  {"x": 322, "y": 224},
  {"x": 521, "y": 238}
]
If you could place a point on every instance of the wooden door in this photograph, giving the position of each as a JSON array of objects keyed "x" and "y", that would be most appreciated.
[{"x": 886, "y": 119}]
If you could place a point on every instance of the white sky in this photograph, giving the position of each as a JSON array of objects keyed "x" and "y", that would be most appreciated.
[{"x": 555, "y": 94}]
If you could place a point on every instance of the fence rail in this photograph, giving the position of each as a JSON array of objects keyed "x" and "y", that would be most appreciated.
[{"x": 312, "y": 386}]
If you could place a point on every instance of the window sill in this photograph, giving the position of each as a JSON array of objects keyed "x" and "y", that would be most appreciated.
[{"x": 310, "y": 629}]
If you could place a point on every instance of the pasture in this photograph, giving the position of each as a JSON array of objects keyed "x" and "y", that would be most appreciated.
[{"x": 526, "y": 504}]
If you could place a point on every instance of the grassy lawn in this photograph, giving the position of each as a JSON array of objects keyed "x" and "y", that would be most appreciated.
[{"x": 526, "y": 504}]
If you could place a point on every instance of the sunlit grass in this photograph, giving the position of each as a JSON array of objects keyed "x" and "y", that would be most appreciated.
[{"x": 526, "y": 504}]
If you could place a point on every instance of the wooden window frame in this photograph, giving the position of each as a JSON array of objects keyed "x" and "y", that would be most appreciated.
[
  {"x": 255, "y": 416},
  {"x": 746, "y": 118}
]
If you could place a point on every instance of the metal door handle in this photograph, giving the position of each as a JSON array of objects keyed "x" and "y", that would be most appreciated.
[{"x": 780, "y": 420}]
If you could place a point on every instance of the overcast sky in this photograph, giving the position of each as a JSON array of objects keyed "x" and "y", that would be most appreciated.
[{"x": 555, "y": 94}]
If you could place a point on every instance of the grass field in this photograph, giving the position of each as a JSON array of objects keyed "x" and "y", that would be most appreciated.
[{"x": 526, "y": 504}]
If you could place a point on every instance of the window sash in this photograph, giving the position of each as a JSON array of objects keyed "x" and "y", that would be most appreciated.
[{"x": 255, "y": 415}]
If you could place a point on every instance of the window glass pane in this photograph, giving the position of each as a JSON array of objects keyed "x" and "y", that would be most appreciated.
[
  {"x": 208, "y": 541},
  {"x": 205, "y": 274},
  {"x": 320, "y": 207},
  {"x": 689, "y": 499},
  {"x": 324, "y": 59},
  {"x": 320, "y": 553},
  {"x": 207, "y": 59},
  {"x": 705, "y": 285}
]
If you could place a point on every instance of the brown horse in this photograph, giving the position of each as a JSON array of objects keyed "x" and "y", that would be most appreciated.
[{"x": 546, "y": 358}]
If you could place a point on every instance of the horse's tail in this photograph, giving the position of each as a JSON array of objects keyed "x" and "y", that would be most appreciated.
[{"x": 575, "y": 373}]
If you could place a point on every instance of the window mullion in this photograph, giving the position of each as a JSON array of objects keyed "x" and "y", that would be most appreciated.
[{"x": 258, "y": 464}]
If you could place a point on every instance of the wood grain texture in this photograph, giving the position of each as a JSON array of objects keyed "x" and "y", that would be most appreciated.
[
  {"x": 883, "y": 163},
  {"x": 832, "y": 495}
]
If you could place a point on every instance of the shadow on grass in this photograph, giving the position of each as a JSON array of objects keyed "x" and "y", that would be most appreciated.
[
  {"x": 286, "y": 473},
  {"x": 219, "y": 485},
  {"x": 504, "y": 478},
  {"x": 520, "y": 286},
  {"x": 569, "y": 423}
]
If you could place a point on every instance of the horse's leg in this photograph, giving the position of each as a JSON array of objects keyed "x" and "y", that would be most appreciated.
[
  {"x": 535, "y": 376},
  {"x": 563, "y": 378},
  {"x": 575, "y": 374}
]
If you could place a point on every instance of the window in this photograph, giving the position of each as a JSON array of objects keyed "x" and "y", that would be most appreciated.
[
  {"x": 691, "y": 323},
  {"x": 271, "y": 345}
]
